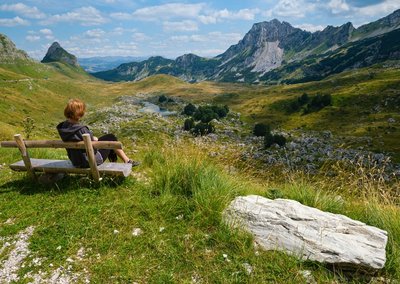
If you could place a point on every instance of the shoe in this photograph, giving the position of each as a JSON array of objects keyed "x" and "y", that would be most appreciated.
[{"x": 134, "y": 163}]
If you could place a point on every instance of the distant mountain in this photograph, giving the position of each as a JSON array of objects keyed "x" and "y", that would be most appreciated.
[
  {"x": 56, "y": 53},
  {"x": 9, "y": 52},
  {"x": 268, "y": 49},
  {"x": 97, "y": 64}
]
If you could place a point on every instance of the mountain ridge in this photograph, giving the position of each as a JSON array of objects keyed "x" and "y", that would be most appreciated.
[{"x": 266, "y": 47}]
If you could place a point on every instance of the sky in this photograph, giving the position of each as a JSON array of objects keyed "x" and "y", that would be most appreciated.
[{"x": 142, "y": 28}]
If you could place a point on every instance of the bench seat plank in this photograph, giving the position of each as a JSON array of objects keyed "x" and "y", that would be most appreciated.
[{"x": 65, "y": 166}]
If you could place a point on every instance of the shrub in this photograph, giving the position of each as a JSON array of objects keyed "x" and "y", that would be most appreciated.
[
  {"x": 188, "y": 124},
  {"x": 303, "y": 99},
  {"x": 270, "y": 140},
  {"x": 28, "y": 124},
  {"x": 261, "y": 129},
  {"x": 208, "y": 113},
  {"x": 189, "y": 109},
  {"x": 162, "y": 99},
  {"x": 317, "y": 103},
  {"x": 202, "y": 128}
]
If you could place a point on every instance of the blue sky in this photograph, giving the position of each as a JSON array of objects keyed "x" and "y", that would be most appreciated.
[{"x": 88, "y": 28}]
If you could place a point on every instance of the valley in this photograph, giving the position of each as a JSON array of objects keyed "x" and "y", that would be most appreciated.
[{"x": 165, "y": 223}]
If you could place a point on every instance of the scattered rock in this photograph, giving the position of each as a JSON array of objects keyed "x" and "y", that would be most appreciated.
[
  {"x": 137, "y": 232},
  {"x": 309, "y": 233},
  {"x": 116, "y": 232}
]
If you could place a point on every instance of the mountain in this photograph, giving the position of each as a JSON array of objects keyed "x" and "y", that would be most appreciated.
[
  {"x": 273, "y": 52},
  {"x": 97, "y": 64},
  {"x": 56, "y": 53},
  {"x": 9, "y": 52}
]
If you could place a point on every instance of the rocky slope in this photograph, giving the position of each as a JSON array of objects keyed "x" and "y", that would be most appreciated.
[
  {"x": 56, "y": 53},
  {"x": 267, "y": 47},
  {"x": 9, "y": 52}
]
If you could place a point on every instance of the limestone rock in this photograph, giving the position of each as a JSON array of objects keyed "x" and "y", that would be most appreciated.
[{"x": 309, "y": 233}]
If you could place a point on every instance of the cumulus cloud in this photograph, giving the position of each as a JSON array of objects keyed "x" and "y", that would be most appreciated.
[
  {"x": 121, "y": 16},
  {"x": 338, "y": 6},
  {"x": 24, "y": 10},
  {"x": 12, "y": 22},
  {"x": 95, "y": 33},
  {"x": 184, "y": 26},
  {"x": 383, "y": 8},
  {"x": 32, "y": 38},
  {"x": 86, "y": 16},
  {"x": 195, "y": 12},
  {"x": 169, "y": 11},
  {"x": 291, "y": 8},
  {"x": 212, "y": 17}
]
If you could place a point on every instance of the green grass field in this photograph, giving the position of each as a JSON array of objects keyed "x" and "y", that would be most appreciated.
[{"x": 164, "y": 223}]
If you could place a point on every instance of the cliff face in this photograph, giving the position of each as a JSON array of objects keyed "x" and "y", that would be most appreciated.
[
  {"x": 56, "y": 53},
  {"x": 9, "y": 52}
]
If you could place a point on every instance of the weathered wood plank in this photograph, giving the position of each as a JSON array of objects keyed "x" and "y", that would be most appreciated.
[
  {"x": 65, "y": 166},
  {"x": 91, "y": 157},
  {"x": 25, "y": 155},
  {"x": 61, "y": 144}
]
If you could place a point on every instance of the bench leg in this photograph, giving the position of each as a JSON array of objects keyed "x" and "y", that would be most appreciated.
[{"x": 25, "y": 156}]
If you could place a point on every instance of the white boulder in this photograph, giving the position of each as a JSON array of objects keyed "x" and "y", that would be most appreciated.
[{"x": 309, "y": 233}]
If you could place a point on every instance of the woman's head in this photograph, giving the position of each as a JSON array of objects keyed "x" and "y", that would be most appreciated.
[{"x": 75, "y": 109}]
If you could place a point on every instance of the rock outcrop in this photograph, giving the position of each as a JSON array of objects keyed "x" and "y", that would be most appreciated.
[
  {"x": 56, "y": 53},
  {"x": 9, "y": 52},
  {"x": 309, "y": 233}
]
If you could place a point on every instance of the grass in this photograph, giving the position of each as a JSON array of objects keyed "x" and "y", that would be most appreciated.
[
  {"x": 178, "y": 194},
  {"x": 179, "y": 212}
]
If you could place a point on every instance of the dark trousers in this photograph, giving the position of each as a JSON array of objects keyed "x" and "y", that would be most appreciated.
[{"x": 108, "y": 153}]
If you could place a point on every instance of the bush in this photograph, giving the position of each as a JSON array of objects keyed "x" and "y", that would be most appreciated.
[
  {"x": 188, "y": 124},
  {"x": 28, "y": 124},
  {"x": 162, "y": 99},
  {"x": 270, "y": 140},
  {"x": 189, "y": 109},
  {"x": 208, "y": 113},
  {"x": 317, "y": 103},
  {"x": 202, "y": 128},
  {"x": 261, "y": 129}
]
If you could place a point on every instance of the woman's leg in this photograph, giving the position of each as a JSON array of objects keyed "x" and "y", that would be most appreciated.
[{"x": 111, "y": 154}]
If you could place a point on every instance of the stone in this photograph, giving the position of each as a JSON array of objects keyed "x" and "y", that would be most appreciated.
[{"x": 309, "y": 233}]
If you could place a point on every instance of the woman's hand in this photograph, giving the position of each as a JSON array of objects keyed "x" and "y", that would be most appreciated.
[{"x": 95, "y": 138}]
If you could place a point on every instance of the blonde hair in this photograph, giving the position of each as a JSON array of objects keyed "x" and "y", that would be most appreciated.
[{"x": 75, "y": 109}]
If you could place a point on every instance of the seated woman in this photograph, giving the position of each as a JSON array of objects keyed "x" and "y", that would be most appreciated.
[{"x": 71, "y": 131}]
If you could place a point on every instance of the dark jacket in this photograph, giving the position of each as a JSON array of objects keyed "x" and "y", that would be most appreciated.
[{"x": 70, "y": 132}]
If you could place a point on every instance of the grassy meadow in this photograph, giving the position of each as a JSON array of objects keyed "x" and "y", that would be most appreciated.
[{"x": 164, "y": 223}]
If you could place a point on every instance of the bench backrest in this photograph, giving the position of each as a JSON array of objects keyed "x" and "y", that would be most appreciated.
[{"x": 86, "y": 144}]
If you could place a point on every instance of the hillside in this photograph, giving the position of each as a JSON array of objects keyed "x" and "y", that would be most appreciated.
[
  {"x": 165, "y": 222},
  {"x": 274, "y": 50}
]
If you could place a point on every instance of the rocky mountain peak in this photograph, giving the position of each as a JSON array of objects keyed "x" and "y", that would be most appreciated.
[
  {"x": 9, "y": 52},
  {"x": 187, "y": 59},
  {"x": 56, "y": 53}
]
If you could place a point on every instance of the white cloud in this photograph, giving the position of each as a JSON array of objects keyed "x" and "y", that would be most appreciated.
[
  {"x": 216, "y": 37},
  {"x": 291, "y": 8},
  {"x": 338, "y": 6},
  {"x": 86, "y": 16},
  {"x": 24, "y": 10},
  {"x": 216, "y": 16},
  {"x": 184, "y": 26},
  {"x": 46, "y": 31},
  {"x": 12, "y": 22},
  {"x": 380, "y": 9},
  {"x": 95, "y": 33},
  {"x": 169, "y": 11},
  {"x": 121, "y": 16},
  {"x": 310, "y": 27},
  {"x": 32, "y": 38},
  {"x": 140, "y": 37}
]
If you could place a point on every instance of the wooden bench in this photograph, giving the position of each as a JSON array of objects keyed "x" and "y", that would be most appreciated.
[{"x": 32, "y": 166}]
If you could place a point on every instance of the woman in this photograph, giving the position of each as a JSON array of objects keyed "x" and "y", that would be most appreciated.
[{"x": 71, "y": 131}]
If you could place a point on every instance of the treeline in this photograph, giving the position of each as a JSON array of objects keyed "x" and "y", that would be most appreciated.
[{"x": 200, "y": 119}]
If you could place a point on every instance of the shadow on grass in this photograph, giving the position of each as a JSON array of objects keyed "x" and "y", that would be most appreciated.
[{"x": 27, "y": 186}]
